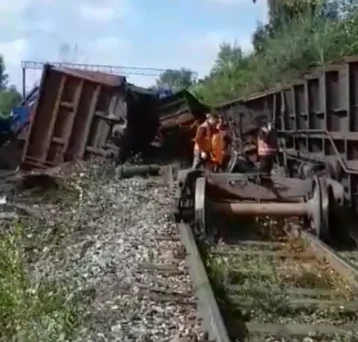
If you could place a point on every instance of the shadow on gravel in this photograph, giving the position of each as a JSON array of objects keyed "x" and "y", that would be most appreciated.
[
  {"x": 343, "y": 230},
  {"x": 250, "y": 229}
]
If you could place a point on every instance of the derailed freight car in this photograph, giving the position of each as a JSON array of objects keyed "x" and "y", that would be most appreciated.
[
  {"x": 75, "y": 114},
  {"x": 243, "y": 123},
  {"x": 179, "y": 114},
  {"x": 317, "y": 118}
]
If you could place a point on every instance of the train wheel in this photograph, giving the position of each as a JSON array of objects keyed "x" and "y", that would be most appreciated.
[
  {"x": 205, "y": 225},
  {"x": 320, "y": 208}
]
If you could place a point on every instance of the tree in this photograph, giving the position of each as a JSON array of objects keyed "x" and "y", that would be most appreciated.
[
  {"x": 229, "y": 57},
  {"x": 299, "y": 34},
  {"x": 283, "y": 12},
  {"x": 9, "y": 97},
  {"x": 225, "y": 77},
  {"x": 176, "y": 79},
  {"x": 3, "y": 76}
]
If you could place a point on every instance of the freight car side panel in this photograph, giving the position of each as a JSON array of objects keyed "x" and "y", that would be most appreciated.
[
  {"x": 71, "y": 118},
  {"x": 318, "y": 116}
]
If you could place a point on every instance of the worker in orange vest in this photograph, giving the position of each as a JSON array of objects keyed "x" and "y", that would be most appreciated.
[
  {"x": 218, "y": 145},
  {"x": 203, "y": 141},
  {"x": 267, "y": 148}
]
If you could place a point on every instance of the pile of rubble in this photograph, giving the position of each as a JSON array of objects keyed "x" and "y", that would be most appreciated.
[{"x": 89, "y": 231}]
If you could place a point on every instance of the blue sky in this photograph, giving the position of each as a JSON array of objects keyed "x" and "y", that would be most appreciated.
[{"x": 145, "y": 33}]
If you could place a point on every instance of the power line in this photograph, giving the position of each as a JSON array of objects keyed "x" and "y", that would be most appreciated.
[{"x": 111, "y": 69}]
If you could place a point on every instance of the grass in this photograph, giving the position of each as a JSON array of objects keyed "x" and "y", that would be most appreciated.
[
  {"x": 33, "y": 309},
  {"x": 261, "y": 295},
  {"x": 35, "y": 305}
]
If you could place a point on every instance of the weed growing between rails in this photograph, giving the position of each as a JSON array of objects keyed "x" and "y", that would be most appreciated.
[{"x": 263, "y": 279}]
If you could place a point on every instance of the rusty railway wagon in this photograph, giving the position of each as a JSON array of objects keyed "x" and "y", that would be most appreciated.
[
  {"x": 179, "y": 115},
  {"x": 76, "y": 111},
  {"x": 317, "y": 120}
]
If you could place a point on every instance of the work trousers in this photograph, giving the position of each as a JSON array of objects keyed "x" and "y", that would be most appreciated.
[
  {"x": 266, "y": 164},
  {"x": 198, "y": 162}
]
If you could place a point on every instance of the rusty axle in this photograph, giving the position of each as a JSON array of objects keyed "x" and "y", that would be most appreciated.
[
  {"x": 263, "y": 209},
  {"x": 316, "y": 207}
]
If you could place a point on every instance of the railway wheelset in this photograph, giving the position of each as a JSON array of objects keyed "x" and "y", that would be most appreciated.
[{"x": 204, "y": 199}]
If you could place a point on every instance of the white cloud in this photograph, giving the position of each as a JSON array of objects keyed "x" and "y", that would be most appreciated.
[
  {"x": 12, "y": 6},
  {"x": 120, "y": 55},
  {"x": 90, "y": 52},
  {"x": 230, "y": 2},
  {"x": 91, "y": 36},
  {"x": 33, "y": 30},
  {"x": 260, "y": 5},
  {"x": 96, "y": 13},
  {"x": 9, "y": 12},
  {"x": 14, "y": 52},
  {"x": 45, "y": 26},
  {"x": 104, "y": 11},
  {"x": 108, "y": 50},
  {"x": 240, "y": 2}
]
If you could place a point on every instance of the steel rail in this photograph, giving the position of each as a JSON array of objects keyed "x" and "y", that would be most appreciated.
[
  {"x": 322, "y": 251},
  {"x": 207, "y": 305},
  {"x": 212, "y": 320},
  {"x": 208, "y": 308}
]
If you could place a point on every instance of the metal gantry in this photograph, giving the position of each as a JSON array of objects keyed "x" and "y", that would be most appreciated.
[{"x": 111, "y": 69}]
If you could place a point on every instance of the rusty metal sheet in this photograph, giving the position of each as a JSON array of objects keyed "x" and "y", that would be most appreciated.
[
  {"x": 177, "y": 120},
  {"x": 279, "y": 190},
  {"x": 94, "y": 76},
  {"x": 72, "y": 117},
  {"x": 181, "y": 102}
]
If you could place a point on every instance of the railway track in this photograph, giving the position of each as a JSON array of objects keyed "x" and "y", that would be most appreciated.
[
  {"x": 269, "y": 280},
  {"x": 162, "y": 280},
  {"x": 278, "y": 287},
  {"x": 269, "y": 288}
]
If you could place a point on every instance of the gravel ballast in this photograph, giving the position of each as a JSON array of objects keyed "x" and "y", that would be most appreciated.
[{"x": 108, "y": 239}]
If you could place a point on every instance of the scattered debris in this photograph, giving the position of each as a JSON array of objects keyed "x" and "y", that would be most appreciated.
[
  {"x": 93, "y": 237},
  {"x": 137, "y": 170}
]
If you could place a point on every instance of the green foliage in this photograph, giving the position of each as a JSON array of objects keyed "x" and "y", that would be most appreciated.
[
  {"x": 299, "y": 35},
  {"x": 30, "y": 310},
  {"x": 9, "y": 96},
  {"x": 176, "y": 79},
  {"x": 3, "y": 75},
  {"x": 8, "y": 100}
]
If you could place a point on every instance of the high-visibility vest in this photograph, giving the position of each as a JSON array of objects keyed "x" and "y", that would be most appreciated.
[
  {"x": 205, "y": 144},
  {"x": 218, "y": 146},
  {"x": 267, "y": 146}
]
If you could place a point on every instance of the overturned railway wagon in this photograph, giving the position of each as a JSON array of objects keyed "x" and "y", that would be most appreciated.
[
  {"x": 76, "y": 111},
  {"x": 316, "y": 118},
  {"x": 179, "y": 116}
]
